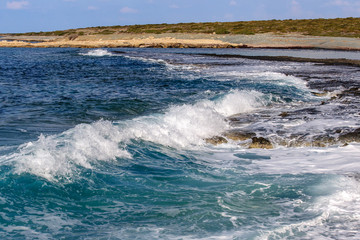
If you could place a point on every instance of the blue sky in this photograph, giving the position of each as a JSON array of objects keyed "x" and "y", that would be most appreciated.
[{"x": 49, "y": 15}]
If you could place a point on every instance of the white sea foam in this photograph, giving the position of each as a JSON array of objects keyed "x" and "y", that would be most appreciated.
[
  {"x": 168, "y": 65},
  {"x": 283, "y": 160},
  {"x": 26, "y": 231},
  {"x": 320, "y": 125},
  {"x": 97, "y": 53}
]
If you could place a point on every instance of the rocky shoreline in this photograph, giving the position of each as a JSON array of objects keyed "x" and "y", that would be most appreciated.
[
  {"x": 186, "y": 40},
  {"x": 334, "y": 137}
]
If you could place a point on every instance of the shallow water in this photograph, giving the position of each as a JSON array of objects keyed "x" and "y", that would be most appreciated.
[{"x": 111, "y": 144}]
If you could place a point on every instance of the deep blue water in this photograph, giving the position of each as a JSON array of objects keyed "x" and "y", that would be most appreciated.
[{"x": 111, "y": 144}]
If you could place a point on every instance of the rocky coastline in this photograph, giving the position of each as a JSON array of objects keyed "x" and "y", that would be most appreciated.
[{"x": 185, "y": 40}]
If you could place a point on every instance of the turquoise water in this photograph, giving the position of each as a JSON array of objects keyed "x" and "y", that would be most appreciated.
[{"x": 111, "y": 144}]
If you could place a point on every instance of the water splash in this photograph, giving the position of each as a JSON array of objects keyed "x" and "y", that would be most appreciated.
[{"x": 97, "y": 53}]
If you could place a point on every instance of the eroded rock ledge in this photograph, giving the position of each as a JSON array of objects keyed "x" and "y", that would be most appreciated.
[{"x": 327, "y": 61}]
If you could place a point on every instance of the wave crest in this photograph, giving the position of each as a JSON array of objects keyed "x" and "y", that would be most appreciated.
[{"x": 58, "y": 155}]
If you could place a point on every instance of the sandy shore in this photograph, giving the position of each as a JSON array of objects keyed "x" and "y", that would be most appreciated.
[{"x": 176, "y": 40}]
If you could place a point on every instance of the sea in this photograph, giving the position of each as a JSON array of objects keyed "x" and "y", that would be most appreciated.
[{"x": 136, "y": 144}]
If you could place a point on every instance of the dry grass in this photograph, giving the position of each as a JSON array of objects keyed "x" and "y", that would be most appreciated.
[{"x": 339, "y": 27}]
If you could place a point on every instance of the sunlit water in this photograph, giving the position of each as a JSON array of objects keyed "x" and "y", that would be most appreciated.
[{"x": 111, "y": 144}]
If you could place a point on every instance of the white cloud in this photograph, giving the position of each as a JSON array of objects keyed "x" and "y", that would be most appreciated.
[
  {"x": 17, "y": 5},
  {"x": 233, "y": 3},
  {"x": 128, "y": 10}
]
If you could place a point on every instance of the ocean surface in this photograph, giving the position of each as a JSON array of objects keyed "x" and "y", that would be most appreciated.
[{"x": 115, "y": 144}]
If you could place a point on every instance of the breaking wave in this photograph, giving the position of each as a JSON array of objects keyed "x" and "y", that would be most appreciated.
[{"x": 185, "y": 126}]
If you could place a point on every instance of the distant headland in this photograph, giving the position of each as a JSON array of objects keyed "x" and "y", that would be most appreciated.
[{"x": 339, "y": 34}]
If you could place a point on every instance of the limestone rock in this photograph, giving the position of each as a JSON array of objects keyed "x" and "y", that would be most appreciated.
[
  {"x": 323, "y": 141},
  {"x": 350, "y": 137}
]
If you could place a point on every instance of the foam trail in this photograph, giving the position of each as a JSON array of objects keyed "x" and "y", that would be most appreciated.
[
  {"x": 166, "y": 64},
  {"x": 146, "y": 60}
]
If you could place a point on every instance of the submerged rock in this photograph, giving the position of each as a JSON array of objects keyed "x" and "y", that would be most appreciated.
[
  {"x": 260, "y": 142},
  {"x": 307, "y": 141},
  {"x": 284, "y": 114}
]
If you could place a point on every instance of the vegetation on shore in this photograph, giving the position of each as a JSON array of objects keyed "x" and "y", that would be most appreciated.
[{"x": 338, "y": 27}]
